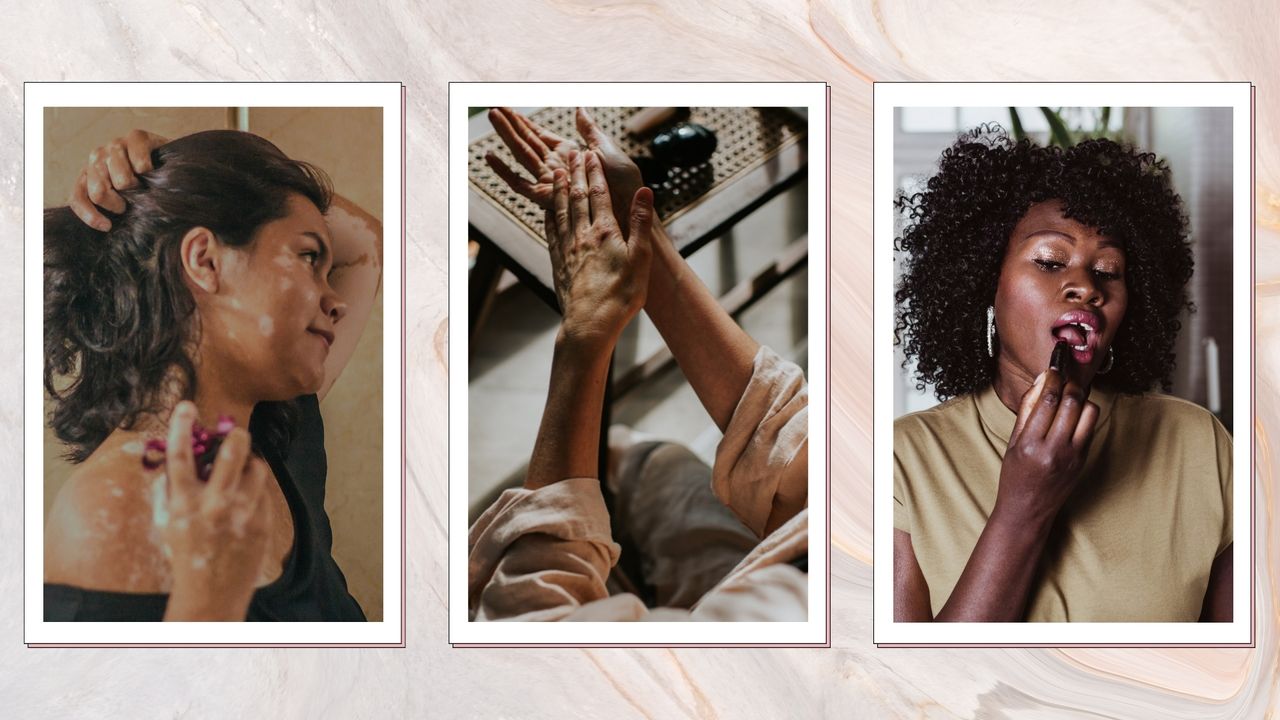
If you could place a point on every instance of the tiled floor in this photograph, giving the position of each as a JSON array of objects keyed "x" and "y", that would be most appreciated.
[{"x": 511, "y": 356}]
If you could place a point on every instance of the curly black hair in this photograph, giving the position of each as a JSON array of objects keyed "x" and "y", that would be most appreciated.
[
  {"x": 958, "y": 227},
  {"x": 119, "y": 321}
]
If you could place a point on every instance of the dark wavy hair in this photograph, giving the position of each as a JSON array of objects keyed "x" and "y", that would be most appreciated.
[
  {"x": 958, "y": 227},
  {"x": 119, "y": 320}
]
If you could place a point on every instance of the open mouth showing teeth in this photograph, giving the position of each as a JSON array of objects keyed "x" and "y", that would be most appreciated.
[
  {"x": 1076, "y": 334},
  {"x": 1079, "y": 329}
]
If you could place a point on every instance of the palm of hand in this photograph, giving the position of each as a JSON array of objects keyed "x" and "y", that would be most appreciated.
[
  {"x": 556, "y": 159},
  {"x": 542, "y": 152}
]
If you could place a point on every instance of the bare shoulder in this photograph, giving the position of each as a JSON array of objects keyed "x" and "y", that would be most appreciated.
[{"x": 103, "y": 532}]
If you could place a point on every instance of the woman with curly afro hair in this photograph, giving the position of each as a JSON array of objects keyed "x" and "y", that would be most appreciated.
[{"x": 1041, "y": 297}]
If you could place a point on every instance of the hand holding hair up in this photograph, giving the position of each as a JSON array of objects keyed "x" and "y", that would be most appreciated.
[{"x": 114, "y": 166}]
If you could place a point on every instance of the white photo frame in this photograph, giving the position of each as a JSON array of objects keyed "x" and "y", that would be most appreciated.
[
  {"x": 892, "y": 96},
  {"x": 388, "y": 97},
  {"x": 813, "y": 97}
]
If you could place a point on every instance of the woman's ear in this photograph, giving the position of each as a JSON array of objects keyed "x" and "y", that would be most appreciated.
[{"x": 201, "y": 258}]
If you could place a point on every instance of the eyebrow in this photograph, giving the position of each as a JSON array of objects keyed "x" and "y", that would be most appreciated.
[{"x": 1103, "y": 242}]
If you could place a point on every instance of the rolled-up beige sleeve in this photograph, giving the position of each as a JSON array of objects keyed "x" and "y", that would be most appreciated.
[
  {"x": 540, "y": 554},
  {"x": 762, "y": 464}
]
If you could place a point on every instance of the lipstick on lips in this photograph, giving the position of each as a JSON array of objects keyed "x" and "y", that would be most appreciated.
[{"x": 1080, "y": 330}]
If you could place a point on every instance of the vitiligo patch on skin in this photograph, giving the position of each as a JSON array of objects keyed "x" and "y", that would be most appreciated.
[
  {"x": 133, "y": 447},
  {"x": 344, "y": 224},
  {"x": 266, "y": 325},
  {"x": 285, "y": 284},
  {"x": 235, "y": 303},
  {"x": 159, "y": 502},
  {"x": 240, "y": 521}
]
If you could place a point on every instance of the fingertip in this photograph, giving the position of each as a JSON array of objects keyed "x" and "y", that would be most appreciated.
[
  {"x": 238, "y": 434},
  {"x": 644, "y": 201}
]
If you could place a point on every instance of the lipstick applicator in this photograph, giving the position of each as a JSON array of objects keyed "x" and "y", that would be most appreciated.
[{"x": 1060, "y": 360}]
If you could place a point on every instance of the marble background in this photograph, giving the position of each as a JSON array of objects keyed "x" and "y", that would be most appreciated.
[{"x": 849, "y": 45}]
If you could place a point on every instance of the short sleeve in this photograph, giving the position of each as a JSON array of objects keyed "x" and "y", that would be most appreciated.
[
  {"x": 1222, "y": 440},
  {"x": 901, "y": 514}
]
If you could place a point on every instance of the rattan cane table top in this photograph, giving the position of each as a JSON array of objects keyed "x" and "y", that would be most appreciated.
[{"x": 747, "y": 138}]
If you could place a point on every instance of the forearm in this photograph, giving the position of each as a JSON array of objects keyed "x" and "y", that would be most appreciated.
[
  {"x": 356, "y": 277},
  {"x": 568, "y": 440},
  {"x": 996, "y": 583},
  {"x": 715, "y": 354}
]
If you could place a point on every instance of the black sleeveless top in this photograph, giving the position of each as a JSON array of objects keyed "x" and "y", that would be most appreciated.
[{"x": 310, "y": 588}]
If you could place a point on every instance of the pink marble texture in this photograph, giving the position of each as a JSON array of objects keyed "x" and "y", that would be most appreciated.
[{"x": 848, "y": 44}]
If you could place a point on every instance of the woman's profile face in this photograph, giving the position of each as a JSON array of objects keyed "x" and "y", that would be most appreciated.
[
  {"x": 274, "y": 319},
  {"x": 1060, "y": 280}
]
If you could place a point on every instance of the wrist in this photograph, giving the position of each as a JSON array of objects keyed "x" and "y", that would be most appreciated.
[
  {"x": 578, "y": 343},
  {"x": 1020, "y": 525},
  {"x": 666, "y": 271}
]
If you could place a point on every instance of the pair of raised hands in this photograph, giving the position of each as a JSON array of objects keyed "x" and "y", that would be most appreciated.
[{"x": 599, "y": 220}]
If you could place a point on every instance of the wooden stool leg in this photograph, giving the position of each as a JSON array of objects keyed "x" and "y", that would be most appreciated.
[{"x": 481, "y": 283}]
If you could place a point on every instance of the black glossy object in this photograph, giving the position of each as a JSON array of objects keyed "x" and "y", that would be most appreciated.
[
  {"x": 1061, "y": 357},
  {"x": 685, "y": 145},
  {"x": 653, "y": 172}
]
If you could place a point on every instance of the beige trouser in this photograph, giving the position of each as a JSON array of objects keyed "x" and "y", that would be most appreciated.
[{"x": 678, "y": 540}]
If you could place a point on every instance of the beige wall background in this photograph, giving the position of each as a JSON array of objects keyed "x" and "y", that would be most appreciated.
[{"x": 347, "y": 144}]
